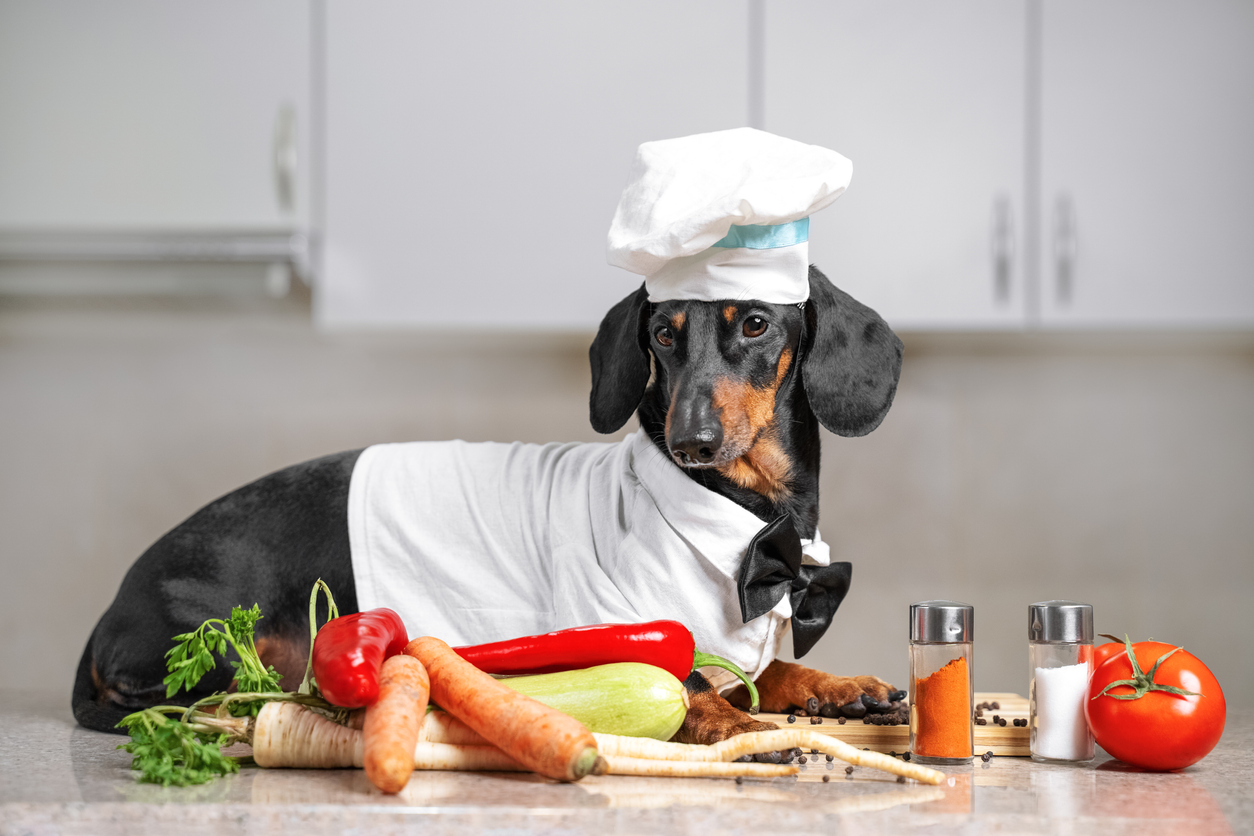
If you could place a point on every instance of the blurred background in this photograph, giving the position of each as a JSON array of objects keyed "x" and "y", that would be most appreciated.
[{"x": 238, "y": 235}]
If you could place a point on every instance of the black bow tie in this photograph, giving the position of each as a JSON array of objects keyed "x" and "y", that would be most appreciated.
[{"x": 772, "y": 568}]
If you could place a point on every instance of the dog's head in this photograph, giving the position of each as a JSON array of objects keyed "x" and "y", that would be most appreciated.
[{"x": 715, "y": 372}]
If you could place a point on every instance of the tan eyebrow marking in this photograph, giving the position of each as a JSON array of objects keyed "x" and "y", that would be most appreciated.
[
  {"x": 729, "y": 313},
  {"x": 677, "y": 321}
]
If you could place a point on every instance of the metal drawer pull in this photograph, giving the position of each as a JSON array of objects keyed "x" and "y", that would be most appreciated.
[
  {"x": 1003, "y": 246},
  {"x": 1064, "y": 248},
  {"x": 285, "y": 158}
]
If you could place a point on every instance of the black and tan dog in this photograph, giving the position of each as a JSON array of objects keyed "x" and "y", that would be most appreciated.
[{"x": 733, "y": 392}]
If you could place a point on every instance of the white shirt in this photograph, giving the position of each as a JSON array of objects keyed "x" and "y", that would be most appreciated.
[{"x": 475, "y": 543}]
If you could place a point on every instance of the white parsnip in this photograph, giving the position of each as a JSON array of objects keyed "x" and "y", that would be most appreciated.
[
  {"x": 287, "y": 734},
  {"x": 619, "y": 765},
  {"x": 763, "y": 741},
  {"x": 442, "y": 727},
  {"x": 462, "y": 758},
  {"x": 291, "y": 735}
]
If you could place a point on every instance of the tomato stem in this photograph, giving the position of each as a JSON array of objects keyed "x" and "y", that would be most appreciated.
[{"x": 1142, "y": 683}]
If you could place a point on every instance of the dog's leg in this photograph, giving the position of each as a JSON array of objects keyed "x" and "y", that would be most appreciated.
[
  {"x": 785, "y": 687},
  {"x": 711, "y": 718}
]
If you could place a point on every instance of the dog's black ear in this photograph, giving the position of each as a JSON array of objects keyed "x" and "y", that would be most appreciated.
[
  {"x": 851, "y": 368},
  {"x": 620, "y": 363}
]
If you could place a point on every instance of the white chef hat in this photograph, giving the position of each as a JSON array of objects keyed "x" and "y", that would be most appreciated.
[{"x": 724, "y": 215}]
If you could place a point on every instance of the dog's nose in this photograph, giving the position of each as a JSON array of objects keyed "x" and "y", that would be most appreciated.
[{"x": 699, "y": 446}]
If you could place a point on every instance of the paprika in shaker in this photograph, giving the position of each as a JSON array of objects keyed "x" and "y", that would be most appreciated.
[{"x": 349, "y": 652}]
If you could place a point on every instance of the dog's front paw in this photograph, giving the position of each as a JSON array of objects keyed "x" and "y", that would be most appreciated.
[{"x": 785, "y": 687}]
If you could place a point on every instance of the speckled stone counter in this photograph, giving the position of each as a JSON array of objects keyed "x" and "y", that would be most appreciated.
[{"x": 58, "y": 778}]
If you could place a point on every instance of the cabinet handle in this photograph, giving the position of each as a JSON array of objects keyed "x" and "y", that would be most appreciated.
[
  {"x": 285, "y": 158},
  {"x": 1003, "y": 247},
  {"x": 1064, "y": 248}
]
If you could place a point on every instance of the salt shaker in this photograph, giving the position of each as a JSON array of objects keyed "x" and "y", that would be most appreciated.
[
  {"x": 1060, "y": 659},
  {"x": 941, "y": 695}
]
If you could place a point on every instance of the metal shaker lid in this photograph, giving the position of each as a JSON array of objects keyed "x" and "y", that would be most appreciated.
[
  {"x": 941, "y": 621},
  {"x": 1060, "y": 621}
]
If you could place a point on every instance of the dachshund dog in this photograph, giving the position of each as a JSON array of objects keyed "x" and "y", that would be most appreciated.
[{"x": 732, "y": 392}]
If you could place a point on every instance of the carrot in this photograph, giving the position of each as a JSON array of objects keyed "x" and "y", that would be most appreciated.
[
  {"x": 392, "y": 723},
  {"x": 540, "y": 738}
]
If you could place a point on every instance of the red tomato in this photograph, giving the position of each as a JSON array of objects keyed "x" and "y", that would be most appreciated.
[
  {"x": 1104, "y": 651},
  {"x": 1160, "y": 730}
]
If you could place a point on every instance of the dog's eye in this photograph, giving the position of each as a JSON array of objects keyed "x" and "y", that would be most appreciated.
[
  {"x": 664, "y": 336},
  {"x": 755, "y": 326}
]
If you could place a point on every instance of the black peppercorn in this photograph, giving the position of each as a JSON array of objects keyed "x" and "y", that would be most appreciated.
[
  {"x": 849, "y": 770},
  {"x": 905, "y": 756},
  {"x": 792, "y": 718},
  {"x": 830, "y": 759},
  {"x": 995, "y": 706},
  {"x": 901, "y": 779},
  {"x": 740, "y": 779},
  {"x": 826, "y": 778},
  {"x": 840, "y": 720},
  {"x": 802, "y": 759}
]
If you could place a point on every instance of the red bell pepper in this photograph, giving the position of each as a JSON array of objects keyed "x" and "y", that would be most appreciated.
[
  {"x": 665, "y": 644},
  {"x": 349, "y": 651}
]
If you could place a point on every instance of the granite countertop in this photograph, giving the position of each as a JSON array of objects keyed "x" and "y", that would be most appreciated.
[{"x": 58, "y": 778}]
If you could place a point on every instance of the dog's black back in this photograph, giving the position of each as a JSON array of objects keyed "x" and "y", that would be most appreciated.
[{"x": 265, "y": 544}]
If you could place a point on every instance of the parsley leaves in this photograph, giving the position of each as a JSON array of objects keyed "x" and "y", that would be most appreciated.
[
  {"x": 192, "y": 657},
  {"x": 172, "y": 752}
]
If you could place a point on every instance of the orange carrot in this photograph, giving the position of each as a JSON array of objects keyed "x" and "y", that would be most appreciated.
[
  {"x": 540, "y": 738},
  {"x": 392, "y": 723}
]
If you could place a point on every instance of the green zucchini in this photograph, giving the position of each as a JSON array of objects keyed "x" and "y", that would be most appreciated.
[{"x": 627, "y": 698}]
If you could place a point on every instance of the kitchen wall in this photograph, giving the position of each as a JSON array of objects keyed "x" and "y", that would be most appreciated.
[{"x": 1117, "y": 468}]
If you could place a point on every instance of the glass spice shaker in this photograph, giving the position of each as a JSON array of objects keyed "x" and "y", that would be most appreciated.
[
  {"x": 941, "y": 692},
  {"x": 1060, "y": 662}
]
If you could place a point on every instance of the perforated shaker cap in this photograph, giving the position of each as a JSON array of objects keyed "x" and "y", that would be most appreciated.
[
  {"x": 942, "y": 621},
  {"x": 1060, "y": 621}
]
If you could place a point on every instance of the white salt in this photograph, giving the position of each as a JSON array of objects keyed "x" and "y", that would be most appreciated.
[{"x": 1062, "y": 733}]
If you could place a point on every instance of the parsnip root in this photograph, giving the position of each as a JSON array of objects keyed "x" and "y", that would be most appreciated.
[
  {"x": 441, "y": 727},
  {"x": 287, "y": 734},
  {"x": 463, "y": 758},
  {"x": 618, "y": 765},
  {"x": 763, "y": 741}
]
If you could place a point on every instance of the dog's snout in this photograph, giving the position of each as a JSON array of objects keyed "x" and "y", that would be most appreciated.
[{"x": 698, "y": 446}]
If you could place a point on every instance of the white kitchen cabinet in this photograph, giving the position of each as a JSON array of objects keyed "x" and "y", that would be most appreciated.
[
  {"x": 152, "y": 116},
  {"x": 476, "y": 152},
  {"x": 1147, "y": 173},
  {"x": 928, "y": 101}
]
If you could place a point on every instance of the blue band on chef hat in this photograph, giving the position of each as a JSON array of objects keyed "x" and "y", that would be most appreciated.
[{"x": 764, "y": 237}]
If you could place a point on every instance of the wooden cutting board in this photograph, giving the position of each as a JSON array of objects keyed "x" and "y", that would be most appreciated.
[{"x": 1007, "y": 741}]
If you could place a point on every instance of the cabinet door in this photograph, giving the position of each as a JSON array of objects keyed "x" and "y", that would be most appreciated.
[
  {"x": 476, "y": 151},
  {"x": 1147, "y": 169},
  {"x": 927, "y": 99},
  {"x": 154, "y": 116}
]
